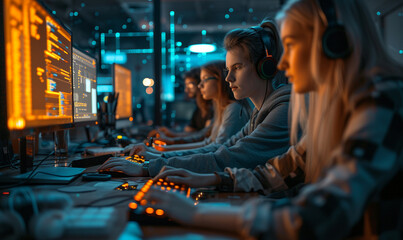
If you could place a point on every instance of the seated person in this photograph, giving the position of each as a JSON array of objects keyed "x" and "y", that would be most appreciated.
[
  {"x": 229, "y": 115},
  {"x": 351, "y": 152},
  {"x": 201, "y": 116},
  {"x": 266, "y": 133}
]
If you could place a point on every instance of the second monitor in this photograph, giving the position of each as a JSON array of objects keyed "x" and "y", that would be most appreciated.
[{"x": 84, "y": 88}]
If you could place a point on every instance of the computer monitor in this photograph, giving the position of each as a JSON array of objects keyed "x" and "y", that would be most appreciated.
[
  {"x": 122, "y": 78},
  {"x": 84, "y": 88},
  {"x": 37, "y": 67}
]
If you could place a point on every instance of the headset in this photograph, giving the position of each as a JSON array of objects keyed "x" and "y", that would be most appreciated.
[
  {"x": 334, "y": 40},
  {"x": 267, "y": 66}
]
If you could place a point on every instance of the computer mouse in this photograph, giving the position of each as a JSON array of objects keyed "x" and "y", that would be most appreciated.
[
  {"x": 97, "y": 176},
  {"x": 113, "y": 174}
]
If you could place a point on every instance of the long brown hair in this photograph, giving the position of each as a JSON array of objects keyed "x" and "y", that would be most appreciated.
[
  {"x": 225, "y": 95},
  {"x": 204, "y": 105}
]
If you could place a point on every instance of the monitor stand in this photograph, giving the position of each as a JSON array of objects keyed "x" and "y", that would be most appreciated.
[
  {"x": 61, "y": 139},
  {"x": 27, "y": 152}
]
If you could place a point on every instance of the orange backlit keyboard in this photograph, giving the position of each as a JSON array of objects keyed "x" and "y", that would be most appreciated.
[
  {"x": 159, "y": 145},
  {"x": 136, "y": 158},
  {"x": 144, "y": 213}
]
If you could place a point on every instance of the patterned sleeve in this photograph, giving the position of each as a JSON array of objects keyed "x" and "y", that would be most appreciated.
[
  {"x": 366, "y": 161},
  {"x": 279, "y": 173}
]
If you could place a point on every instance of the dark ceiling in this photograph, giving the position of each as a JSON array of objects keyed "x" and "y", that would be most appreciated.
[
  {"x": 90, "y": 19},
  {"x": 191, "y": 17}
]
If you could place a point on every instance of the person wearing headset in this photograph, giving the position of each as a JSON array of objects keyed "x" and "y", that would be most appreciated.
[
  {"x": 251, "y": 61},
  {"x": 352, "y": 144}
]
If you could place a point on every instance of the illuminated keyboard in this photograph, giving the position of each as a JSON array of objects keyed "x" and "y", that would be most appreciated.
[
  {"x": 145, "y": 214},
  {"x": 136, "y": 158},
  {"x": 159, "y": 145}
]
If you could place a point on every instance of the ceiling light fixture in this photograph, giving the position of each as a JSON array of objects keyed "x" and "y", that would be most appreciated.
[{"x": 202, "y": 48}]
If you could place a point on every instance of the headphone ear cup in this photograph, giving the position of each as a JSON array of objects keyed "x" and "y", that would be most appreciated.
[
  {"x": 47, "y": 225},
  {"x": 334, "y": 42},
  {"x": 12, "y": 224},
  {"x": 267, "y": 68}
]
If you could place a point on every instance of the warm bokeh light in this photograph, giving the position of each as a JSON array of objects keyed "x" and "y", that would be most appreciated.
[
  {"x": 151, "y": 82},
  {"x": 149, "y": 90},
  {"x": 148, "y": 82}
]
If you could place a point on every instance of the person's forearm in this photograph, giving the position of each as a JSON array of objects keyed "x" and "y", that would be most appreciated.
[
  {"x": 185, "y": 146},
  {"x": 218, "y": 217},
  {"x": 189, "y": 129},
  {"x": 211, "y": 179}
]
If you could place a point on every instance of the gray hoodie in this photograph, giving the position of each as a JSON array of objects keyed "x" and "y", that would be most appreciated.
[{"x": 264, "y": 136}]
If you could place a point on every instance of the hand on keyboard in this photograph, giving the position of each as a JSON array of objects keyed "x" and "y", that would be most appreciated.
[
  {"x": 136, "y": 158},
  {"x": 138, "y": 149},
  {"x": 120, "y": 164},
  {"x": 142, "y": 149},
  {"x": 161, "y": 199},
  {"x": 183, "y": 176}
]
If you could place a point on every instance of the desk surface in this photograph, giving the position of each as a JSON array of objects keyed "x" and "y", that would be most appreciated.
[{"x": 106, "y": 195}]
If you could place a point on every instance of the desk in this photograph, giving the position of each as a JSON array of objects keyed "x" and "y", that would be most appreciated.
[{"x": 104, "y": 190}]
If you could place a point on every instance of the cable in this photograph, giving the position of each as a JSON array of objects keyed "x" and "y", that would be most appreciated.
[
  {"x": 56, "y": 175},
  {"x": 31, "y": 175}
]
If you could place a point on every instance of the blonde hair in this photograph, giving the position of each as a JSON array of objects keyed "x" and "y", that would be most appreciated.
[{"x": 338, "y": 79}]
